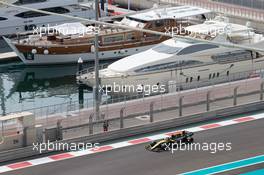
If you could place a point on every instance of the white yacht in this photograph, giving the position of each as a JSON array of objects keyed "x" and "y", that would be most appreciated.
[
  {"x": 15, "y": 20},
  {"x": 183, "y": 62}
]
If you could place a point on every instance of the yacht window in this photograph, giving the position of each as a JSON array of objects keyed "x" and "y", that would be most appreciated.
[
  {"x": 191, "y": 79},
  {"x": 196, "y": 48},
  {"x": 163, "y": 48},
  {"x": 198, "y": 78},
  {"x": 3, "y": 19},
  {"x": 21, "y": 2},
  {"x": 59, "y": 10},
  {"x": 233, "y": 56},
  {"x": 218, "y": 74},
  {"x": 130, "y": 36},
  {"x": 32, "y": 14},
  {"x": 210, "y": 76},
  {"x": 227, "y": 73},
  {"x": 168, "y": 66},
  {"x": 112, "y": 39},
  {"x": 187, "y": 80}
]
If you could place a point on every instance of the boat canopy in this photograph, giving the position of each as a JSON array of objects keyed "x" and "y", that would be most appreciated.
[
  {"x": 214, "y": 27},
  {"x": 170, "y": 13},
  {"x": 72, "y": 28}
]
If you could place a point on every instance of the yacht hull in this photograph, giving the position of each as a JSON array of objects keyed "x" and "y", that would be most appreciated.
[
  {"x": 219, "y": 73},
  {"x": 42, "y": 59}
]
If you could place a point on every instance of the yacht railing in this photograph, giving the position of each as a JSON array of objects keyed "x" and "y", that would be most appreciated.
[
  {"x": 224, "y": 8},
  {"x": 90, "y": 70}
]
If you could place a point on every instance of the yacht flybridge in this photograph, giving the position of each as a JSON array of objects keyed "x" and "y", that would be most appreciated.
[
  {"x": 67, "y": 47},
  {"x": 15, "y": 20},
  {"x": 183, "y": 62}
]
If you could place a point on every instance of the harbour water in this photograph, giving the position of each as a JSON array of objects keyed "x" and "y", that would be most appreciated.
[{"x": 28, "y": 87}]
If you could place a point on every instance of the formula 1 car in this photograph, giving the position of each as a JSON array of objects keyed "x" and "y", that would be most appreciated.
[{"x": 166, "y": 143}]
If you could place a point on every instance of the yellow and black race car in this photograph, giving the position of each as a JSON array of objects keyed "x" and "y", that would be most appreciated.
[{"x": 166, "y": 143}]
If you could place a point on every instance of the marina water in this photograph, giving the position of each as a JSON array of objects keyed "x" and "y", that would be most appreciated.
[{"x": 23, "y": 87}]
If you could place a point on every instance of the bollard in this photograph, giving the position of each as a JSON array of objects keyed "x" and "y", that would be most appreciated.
[
  {"x": 235, "y": 96},
  {"x": 180, "y": 105},
  {"x": 261, "y": 91},
  {"x": 208, "y": 101},
  {"x": 122, "y": 118},
  {"x": 151, "y": 107},
  {"x": 91, "y": 124}
]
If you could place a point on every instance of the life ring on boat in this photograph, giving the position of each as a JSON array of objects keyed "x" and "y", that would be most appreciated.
[
  {"x": 46, "y": 52},
  {"x": 34, "y": 51}
]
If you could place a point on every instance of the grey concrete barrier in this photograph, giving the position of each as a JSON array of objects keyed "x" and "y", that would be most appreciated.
[{"x": 142, "y": 129}]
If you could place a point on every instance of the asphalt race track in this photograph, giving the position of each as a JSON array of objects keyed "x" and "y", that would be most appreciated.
[{"x": 246, "y": 138}]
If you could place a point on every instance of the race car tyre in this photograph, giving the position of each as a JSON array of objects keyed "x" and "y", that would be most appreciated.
[
  {"x": 190, "y": 140},
  {"x": 147, "y": 147},
  {"x": 153, "y": 143},
  {"x": 158, "y": 149}
]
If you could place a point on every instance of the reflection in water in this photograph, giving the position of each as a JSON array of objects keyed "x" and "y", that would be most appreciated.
[{"x": 23, "y": 88}]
